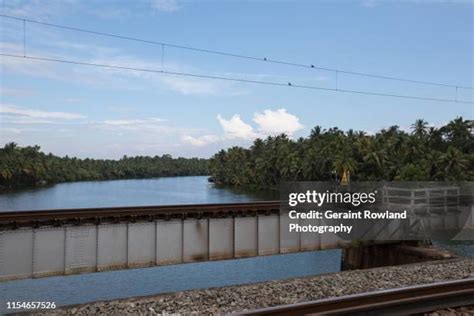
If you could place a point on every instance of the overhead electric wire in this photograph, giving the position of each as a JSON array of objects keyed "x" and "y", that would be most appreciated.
[
  {"x": 264, "y": 59},
  {"x": 272, "y": 83}
]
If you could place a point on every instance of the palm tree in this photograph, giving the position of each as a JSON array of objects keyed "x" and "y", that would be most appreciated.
[
  {"x": 344, "y": 158},
  {"x": 420, "y": 128},
  {"x": 460, "y": 133},
  {"x": 389, "y": 154},
  {"x": 453, "y": 164}
]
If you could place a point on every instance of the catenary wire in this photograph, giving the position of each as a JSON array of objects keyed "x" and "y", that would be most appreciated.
[
  {"x": 289, "y": 84},
  {"x": 264, "y": 59}
]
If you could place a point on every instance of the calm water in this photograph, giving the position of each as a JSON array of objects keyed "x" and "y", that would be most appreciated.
[
  {"x": 158, "y": 191},
  {"x": 76, "y": 289},
  {"x": 83, "y": 288}
]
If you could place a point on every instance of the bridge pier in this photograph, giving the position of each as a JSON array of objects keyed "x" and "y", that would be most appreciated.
[{"x": 374, "y": 255}]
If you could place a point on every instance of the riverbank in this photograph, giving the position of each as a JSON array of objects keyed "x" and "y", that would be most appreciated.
[
  {"x": 29, "y": 167},
  {"x": 231, "y": 299}
]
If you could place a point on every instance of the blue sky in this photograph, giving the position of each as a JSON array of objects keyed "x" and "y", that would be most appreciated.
[{"x": 107, "y": 113}]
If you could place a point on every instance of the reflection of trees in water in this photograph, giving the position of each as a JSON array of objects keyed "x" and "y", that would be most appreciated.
[
  {"x": 263, "y": 195},
  {"x": 29, "y": 167}
]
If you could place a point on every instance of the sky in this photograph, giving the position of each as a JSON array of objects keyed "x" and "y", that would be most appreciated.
[{"x": 94, "y": 112}]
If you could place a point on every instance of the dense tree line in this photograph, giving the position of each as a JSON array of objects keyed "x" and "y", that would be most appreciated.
[
  {"x": 28, "y": 166},
  {"x": 426, "y": 153}
]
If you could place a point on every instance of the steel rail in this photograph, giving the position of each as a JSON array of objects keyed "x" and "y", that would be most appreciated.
[
  {"x": 400, "y": 301},
  {"x": 15, "y": 219}
]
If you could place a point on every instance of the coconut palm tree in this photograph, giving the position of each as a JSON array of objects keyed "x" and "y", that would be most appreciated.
[
  {"x": 452, "y": 164},
  {"x": 419, "y": 128}
]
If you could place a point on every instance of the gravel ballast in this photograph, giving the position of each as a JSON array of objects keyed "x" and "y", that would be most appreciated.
[
  {"x": 458, "y": 311},
  {"x": 237, "y": 298}
]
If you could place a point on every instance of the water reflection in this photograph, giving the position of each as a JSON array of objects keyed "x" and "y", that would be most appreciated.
[{"x": 133, "y": 192}]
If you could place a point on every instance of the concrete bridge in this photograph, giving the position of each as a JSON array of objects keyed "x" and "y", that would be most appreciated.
[{"x": 60, "y": 242}]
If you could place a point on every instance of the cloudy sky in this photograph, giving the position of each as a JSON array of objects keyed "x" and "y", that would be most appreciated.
[{"x": 96, "y": 112}]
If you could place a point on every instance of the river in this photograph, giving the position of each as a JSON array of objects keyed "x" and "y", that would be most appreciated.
[
  {"x": 134, "y": 192},
  {"x": 75, "y": 289}
]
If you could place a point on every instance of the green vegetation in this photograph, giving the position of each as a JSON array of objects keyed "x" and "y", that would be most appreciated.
[
  {"x": 427, "y": 153},
  {"x": 28, "y": 166}
]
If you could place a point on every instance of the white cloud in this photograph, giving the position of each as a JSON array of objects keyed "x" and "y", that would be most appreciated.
[
  {"x": 16, "y": 119},
  {"x": 236, "y": 128},
  {"x": 120, "y": 78},
  {"x": 151, "y": 128},
  {"x": 15, "y": 92},
  {"x": 22, "y": 65},
  {"x": 200, "y": 141},
  {"x": 180, "y": 84},
  {"x": 140, "y": 126},
  {"x": 10, "y": 130},
  {"x": 165, "y": 5},
  {"x": 268, "y": 122},
  {"x": 38, "y": 114},
  {"x": 188, "y": 86},
  {"x": 115, "y": 77},
  {"x": 277, "y": 122},
  {"x": 133, "y": 121},
  {"x": 38, "y": 9}
]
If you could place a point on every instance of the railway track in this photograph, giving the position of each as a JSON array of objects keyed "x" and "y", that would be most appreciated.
[
  {"x": 58, "y": 217},
  {"x": 401, "y": 301}
]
